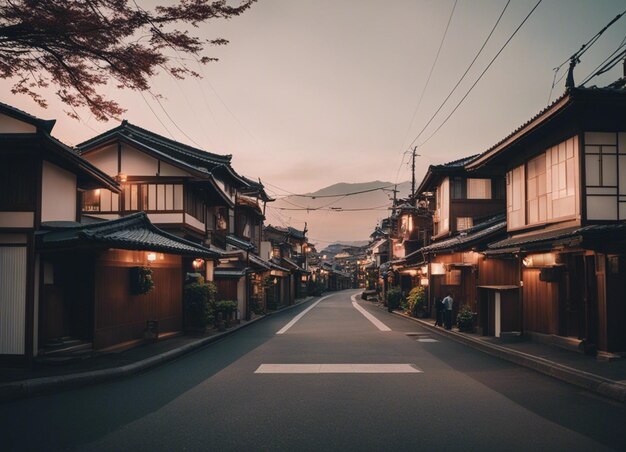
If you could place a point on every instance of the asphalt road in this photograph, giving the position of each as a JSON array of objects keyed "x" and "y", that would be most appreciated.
[{"x": 213, "y": 399}]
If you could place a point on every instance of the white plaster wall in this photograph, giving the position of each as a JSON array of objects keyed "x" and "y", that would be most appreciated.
[
  {"x": 105, "y": 159},
  {"x": 137, "y": 163},
  {"x": 166, "y": 217},
  {"x": 58, "y": 194},
  {"x": 191, "y": 221},
  {"x": 12, "y": 125},
  {"x": 17, "y": 219},
  {"x": 266, "y": 250},
  {"x": 169, "y": 170}
]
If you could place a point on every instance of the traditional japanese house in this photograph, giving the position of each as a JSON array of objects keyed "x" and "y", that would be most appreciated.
[
  {"x": 566, "y": 206},
  {"x": 467, "y": 215},
  {"x": 186, "y": 191},
  {"x": 289, "y": 250},
  {"x": 413, "y": 230},
  {"x": 55, "y": 284},
  {"x": 244, "y": 271},
  {"x": 109, "y": 283}
]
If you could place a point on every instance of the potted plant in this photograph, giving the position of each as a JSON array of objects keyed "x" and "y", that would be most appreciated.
[
  {"x": 416, "y": 302},
  {"x": 465, "y": 319},
  {"x": 394, "y": 298}
]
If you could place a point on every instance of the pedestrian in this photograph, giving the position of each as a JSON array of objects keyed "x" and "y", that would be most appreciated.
[
  {"x": 439, "y": 308},
  {"x": 448, "y": 302}
]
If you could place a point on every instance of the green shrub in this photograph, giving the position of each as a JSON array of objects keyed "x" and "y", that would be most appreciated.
[
  {"x": 226, "y": 307},
  {"x": 198, "y": 300},
  {"x": 465, "y": 318},
  {"x": 416, "y": 300},
  {"x": 394, "y": 298}
]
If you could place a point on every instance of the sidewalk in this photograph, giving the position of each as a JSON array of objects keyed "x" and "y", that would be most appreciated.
[
  {"x": 602, "y": 377},
  {"x": 19, "y": 383}
]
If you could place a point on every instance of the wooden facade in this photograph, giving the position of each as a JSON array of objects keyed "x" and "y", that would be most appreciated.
[{"x": 119, "y": 316}]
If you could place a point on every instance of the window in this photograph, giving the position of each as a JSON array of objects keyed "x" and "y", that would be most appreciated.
[
  {"x": 478, "y": 188},
  {"x": 459, "y": 188},
  {"x": 473, "y": 188},
  {"x": 463, "y": 223},
  {"x": 100, "y": 200},
  {"x": 545, "y": 189},
  {"x": 605, "y": 175},
  {"x": 442, "y": 212},
  {"x": 153, "y": 197}
]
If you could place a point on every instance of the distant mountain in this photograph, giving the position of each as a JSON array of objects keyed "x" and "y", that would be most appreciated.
[{"x": 338, "y": 219}]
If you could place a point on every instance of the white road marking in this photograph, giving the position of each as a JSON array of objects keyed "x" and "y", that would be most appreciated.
[
  {"x": 377, "y": 323},
  {"x": 426, "y": 339},
  {"x": 337, "y": 369},
  {"x": 284, "y": 329}
]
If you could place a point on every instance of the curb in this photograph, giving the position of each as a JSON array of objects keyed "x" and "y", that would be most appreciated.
[
  {"x": 45, "y": 385},
  {"x": 594, "y": 383}
]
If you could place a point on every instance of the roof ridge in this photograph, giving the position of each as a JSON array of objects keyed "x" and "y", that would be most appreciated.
[{"x": 174, "y": 144}]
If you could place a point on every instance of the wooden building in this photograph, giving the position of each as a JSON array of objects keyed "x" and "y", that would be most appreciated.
[
  {"x": 91, "y": 281},
  {"x": 191, "y": 193},
  {"x": 39, "y": 182},
  {"x": 566, "y": 206},
  {"x": 467, "y": 213}
]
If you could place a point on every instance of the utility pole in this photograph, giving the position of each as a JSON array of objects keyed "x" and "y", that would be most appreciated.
[{"x": 413, "y": 172}]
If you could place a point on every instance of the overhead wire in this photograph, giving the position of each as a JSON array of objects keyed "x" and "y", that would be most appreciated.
[
  {"x": 583, "y": 49},
  {"x": 604, "y": 66},
  {"x": 483, "y": 72},
  {"x": 430, "y": 73},
  {"x": 464, "y": 74}
]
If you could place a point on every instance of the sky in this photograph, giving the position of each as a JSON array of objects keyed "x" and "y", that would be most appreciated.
[{"x": 313, "y": 92}]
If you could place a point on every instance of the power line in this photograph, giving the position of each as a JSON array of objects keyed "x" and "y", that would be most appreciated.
[
  {"x": 604, "y": 66},
  {"x": 332, "y": 209},
  {"x": 432, "y": 68},
  {"x": 584, "y": 48},
  {"x": 464, "y": 74},
  {"x": 483, "y": 72},
  {"x": 304, "y": 195}
]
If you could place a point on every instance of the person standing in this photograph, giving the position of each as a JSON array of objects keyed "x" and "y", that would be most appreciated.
[
  {"x": 440, "y": 313},
  {"x": 448, "y": 302}
]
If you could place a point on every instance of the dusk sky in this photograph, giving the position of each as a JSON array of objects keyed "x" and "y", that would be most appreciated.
[{"x": 313, "y": 92}]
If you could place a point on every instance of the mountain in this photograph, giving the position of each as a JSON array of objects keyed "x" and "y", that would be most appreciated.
[{"x": 337, "y": 219}]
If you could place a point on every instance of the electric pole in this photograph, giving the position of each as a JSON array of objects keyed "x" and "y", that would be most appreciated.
[{"x": 413, "y": 172}]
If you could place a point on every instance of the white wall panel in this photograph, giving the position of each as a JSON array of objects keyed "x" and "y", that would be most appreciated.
[
  {"x": 12, "y": 300},
  {"x": 58, "y": 194},
  {"x": 12, "y": 125}
]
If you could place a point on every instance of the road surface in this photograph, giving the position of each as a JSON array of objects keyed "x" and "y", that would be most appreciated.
[{"x": 344, "y": 375}]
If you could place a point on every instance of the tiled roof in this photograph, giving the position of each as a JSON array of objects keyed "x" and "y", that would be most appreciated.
[
  {"x": 562, "y": 236},
  {"x": 288, "y": 231},
  {"x": 44, "y": 124},
  {"x": 559, "y": 104},
  {"x": 239, "y": 243},
  {"x": 157, "y": 141},
  {"x": 133, "y": 232},
  {"x": 460, "y": 163},
  {"x": 466, "y": 239},
  {"x": 229, "y": 272}
]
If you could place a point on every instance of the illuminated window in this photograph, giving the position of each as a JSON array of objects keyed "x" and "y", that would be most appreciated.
[{"x": 463, "y": 223}]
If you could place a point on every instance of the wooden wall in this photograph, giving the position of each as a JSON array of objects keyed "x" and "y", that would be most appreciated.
[
  {"x": 121, "y": 317},
  {"x": 541, "y": 306},
  {"x": 498, "y": 272},
  {"x": 464, "y": 293},
  {"x": 226, "y": 288}
]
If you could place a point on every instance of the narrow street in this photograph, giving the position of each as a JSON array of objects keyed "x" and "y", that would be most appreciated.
[{"x": 438, "y": 395}]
